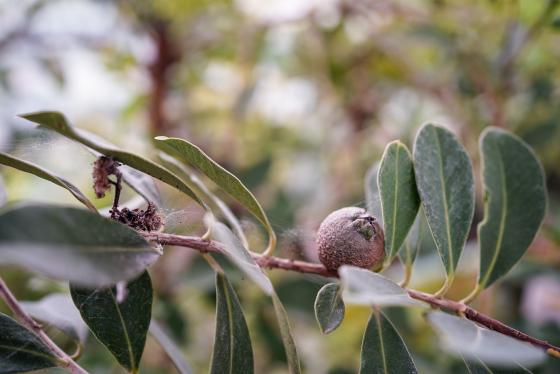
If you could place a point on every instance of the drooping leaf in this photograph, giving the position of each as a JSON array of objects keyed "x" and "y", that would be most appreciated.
[
  {"x": 58, "y": 310},
  {"x": 445, "y": 182},
  {"x": 194, "y": 156},
  {"x": 120, "y": 326},
  {"x": 170, "y": 348},
  {"x": 72, "y": 244},
  {"x": 329, "y": 307},
  {"x": 286, "y": 333},
  {"x": 57, "y": 122},
  {"x": 364, "y": 287},
  {"x": 515, "y": 203},
  {"x": 142, "y": 183},
  {"x": 241, "y": 257},
  {"x": 399, "y": 197},
  {"x": 383, "y": 350},
  {"x": 465, "y": 338},
  {"x": 20, "y": 349},
  {"x": 373, "y": 200},
  {"x": 232, "y": 344},
  {"x": 40, "y": 172}
]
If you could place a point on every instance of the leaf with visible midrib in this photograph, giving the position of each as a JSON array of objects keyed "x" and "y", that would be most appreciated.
[
  {"x": 72, "y": 244},
  {"x": 329, "y": 307},
  {"x": 445, "y": 182},
  {"x": 383, "y": 350},
  {"x": 286, "y": 333},
  {"x": 21, "y": 350},
  {"x": 57, "y": 122},
  {"x": 121, "y": 327},
  {"x": 399, "y": 197},
  {"x": 515, "y": 202},
  {"x": 40, "y": 172},
  {"x": 232, "y": 344},
  {"x": 193, "y": 155}
]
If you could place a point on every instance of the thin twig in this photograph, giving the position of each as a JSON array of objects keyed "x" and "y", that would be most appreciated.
[
  {"x": 272, "y": 262},
  {"x": 64, "y": 361}
]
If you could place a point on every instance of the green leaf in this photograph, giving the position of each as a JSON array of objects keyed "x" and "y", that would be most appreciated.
[
  {"x": 445, "y": 182},
  {"x": 373, "y": 201},
  {"x": 120, "y": 326},
  {"x": 21, "y": 350},
  {"x": 329, "y": 308},
  {"x": 232, "y": 344},
  {"x": 142, "y": 183},
  {"x": 72, "y": 244},
  {"x": 57, "y": 122},
  {"x": 169, "y": 346},
  {"x": 241, "y": 257},
  {"x": 413, "y": 241},
  {"x": 515, "y": 203},
  {"x": 58, "y": 310},
  {"x": 462, "y": 337},
  {"x": 383, "y": 350},
  {"x": 38, "y": 171},
  {"x": 286, "y": 333},
  {"x": 364, "y": 287},
  {"x": 192, "y": 155},
  {"x": 399, "y": 197}
]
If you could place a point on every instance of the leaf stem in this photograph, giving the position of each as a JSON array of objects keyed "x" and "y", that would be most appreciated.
[
  {"x": 64, "y": 360},
  {"x": 272, "y": 262},
  {"x": 475, "y": 292}
]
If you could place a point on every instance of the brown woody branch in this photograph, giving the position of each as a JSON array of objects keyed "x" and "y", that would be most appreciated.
[{"x": 272, "y": 262}]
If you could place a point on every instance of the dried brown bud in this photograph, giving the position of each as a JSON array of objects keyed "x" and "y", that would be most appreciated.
[
  {"x": 102, "y": 168},
  {"x": 145, "y": 220},
  {"x": 350, "y": 236}
]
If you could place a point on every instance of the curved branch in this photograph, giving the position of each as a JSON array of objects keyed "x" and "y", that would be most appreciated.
[{"x": 272, "y": 262}]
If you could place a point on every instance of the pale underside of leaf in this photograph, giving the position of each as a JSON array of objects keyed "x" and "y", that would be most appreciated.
[
  {"x": 329, "y": 307},
  {"x": 286, "y": 333}
]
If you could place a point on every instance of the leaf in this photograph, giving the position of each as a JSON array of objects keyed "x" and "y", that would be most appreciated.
[
  {"x": 286, "y": 333},
  {"x": 373, "y": 201},
  {"x": 3, "y": 194},
  {"x": 121, "y": 327},
  {"x": 399, "y": 197},
  {"x": 329, "y": 308},
  {"x": 515, "y": 203},
  {"x": 364, "y": 287},
  {"x": 170, "y": 348},
  {"x": 72, "y": 244},
  {"x": 58, "y": 310},
  {"x": 142, "y": 183},
  {"x": 232, "y": 344},
  {"x": 241, "y": 257},
  {"x": 57, "y": 122},
  {"x": 413, "y": 241},
  {"x": 21, "y": 350},
  {"x": 192, "y": 155},
  {"x": 465, "y": 338},
  {"x": 38, "y": 171},
  {"x": 445, "y": 182},
  {"x": 383, "y": 350}
]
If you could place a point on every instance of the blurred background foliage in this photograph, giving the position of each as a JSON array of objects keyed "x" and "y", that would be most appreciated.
[{"x": 298, "y": 98}]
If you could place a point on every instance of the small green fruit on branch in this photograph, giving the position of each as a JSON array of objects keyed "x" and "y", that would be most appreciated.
[{"x": 350, "y": 236}]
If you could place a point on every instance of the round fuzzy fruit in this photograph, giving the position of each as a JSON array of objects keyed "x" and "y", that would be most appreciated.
[{"x": 350, "y": 236}]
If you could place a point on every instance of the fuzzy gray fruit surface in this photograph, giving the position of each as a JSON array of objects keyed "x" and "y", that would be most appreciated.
[{"x": 350, "y": 236}]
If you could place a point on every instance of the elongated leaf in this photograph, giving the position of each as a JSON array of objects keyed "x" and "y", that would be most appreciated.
[
  {"x": 515, "y": 203},
  {"x": 72, "y": 244},
  {"x": 40, "y": 172},
  {"x": 286, "y": 333},
  {"x": 478, "y": 367},
  {"x": 3, "y": 194},
  {"x": 121, "y": 327},
  {"x": 329, "y": 307},
  {"x": 364, "y": 287},
  {"x": 142, "y": 183},
  {"x": 20, "y": 349},
  {"x": 445, "y": 182},
  {"x": 383, "y": 350},
  {"x": 57, "y": 122},
  {"x": 413, "y": 241},
  {"x": 371, "y": 188},
  {"x": 399, "y": 197},
  {"x": 59, "y": 311},
  {"x": 241, "y": 257},
  {"x": 465, "y": 338},
  {"x": 170, "y": 348},
  {"x": 232, "y": 345},
  {"x": 192, "y": 155}
]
